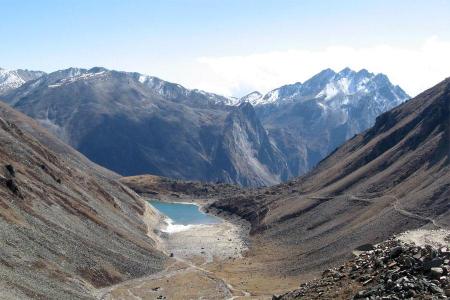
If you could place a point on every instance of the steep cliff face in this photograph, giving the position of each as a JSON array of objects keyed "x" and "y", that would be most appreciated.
[
  {"x": 67, "y": 226},
  {"x": 392, "y": 177},
  {"x": 245, "y": 154}
]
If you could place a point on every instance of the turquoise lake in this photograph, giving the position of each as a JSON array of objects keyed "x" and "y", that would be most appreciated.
[{"x": 184, "y": 214}]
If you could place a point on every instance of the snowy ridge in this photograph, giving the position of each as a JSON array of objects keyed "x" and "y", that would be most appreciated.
[
  {"x": 12, "y": 79},
  {"x": 77, "y": 76},
  {"x": 253, "y": 98},
  {"x": 333, "y": 90},
  {"x": 173, "y": 90},
  {"x": 57, "y": 79}
]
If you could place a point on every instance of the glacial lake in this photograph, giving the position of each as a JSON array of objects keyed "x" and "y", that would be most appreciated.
[{"x": 184, "y": 213}]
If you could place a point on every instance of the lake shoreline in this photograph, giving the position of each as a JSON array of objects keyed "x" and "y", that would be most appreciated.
[{"x": 228, "y": 239}]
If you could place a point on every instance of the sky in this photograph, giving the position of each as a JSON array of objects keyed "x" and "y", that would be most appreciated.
[{"x": 231, "y": 47}]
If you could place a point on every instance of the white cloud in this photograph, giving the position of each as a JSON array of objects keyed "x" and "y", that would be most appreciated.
[{"x": 414, "y": 69}]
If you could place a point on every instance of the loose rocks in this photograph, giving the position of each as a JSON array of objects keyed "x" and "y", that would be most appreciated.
[{"x": 392, "y": 270}]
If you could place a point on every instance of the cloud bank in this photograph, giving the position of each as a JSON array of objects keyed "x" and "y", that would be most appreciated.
[{"x": 414, "y": 69}]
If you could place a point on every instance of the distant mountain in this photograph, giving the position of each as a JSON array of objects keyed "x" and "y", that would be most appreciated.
[
  {"x": 176, "y": 92},
  {"x": 135, "y": 124},
  {"x": 11, "y": 79},
  {"x": 332, "y": 89},
  {"x": 393, "y": 177},
  {"x": 309, "y": 120}
]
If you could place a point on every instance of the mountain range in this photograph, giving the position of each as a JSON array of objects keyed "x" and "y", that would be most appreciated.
[
  {"x": 69, "y": 227},
  {"x": 308, "y": 121},
  {"x": 136, "y": 124}
]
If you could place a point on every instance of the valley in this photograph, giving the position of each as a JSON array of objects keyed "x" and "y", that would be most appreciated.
[
  {"x": 224, "y": 150},
  {"x": 209, "y": 261},
  {"x": 246, "y": 242},
  {"x": 198, "y": 248}
]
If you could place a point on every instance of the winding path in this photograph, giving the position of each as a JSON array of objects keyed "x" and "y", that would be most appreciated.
[
  {"x": 136, "y": 284},
  {"x": 396, "y": 206}
]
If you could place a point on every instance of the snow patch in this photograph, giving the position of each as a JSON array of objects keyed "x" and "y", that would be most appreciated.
[
  {"x": 142, "y": 78},
  {"x": 77, "y": 76}
]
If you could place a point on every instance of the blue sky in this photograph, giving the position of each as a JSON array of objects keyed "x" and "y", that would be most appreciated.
[{"x": 229, "y": 46}]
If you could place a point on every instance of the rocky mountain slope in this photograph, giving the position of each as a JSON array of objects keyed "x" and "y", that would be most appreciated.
[
  {"x": 12, "y": 79},
  {"x": 67, "y": 226},
  {"x": 392, "y": 177},
  {"x": 136, "y": 124},
  {"x": 309, "y": 120}
]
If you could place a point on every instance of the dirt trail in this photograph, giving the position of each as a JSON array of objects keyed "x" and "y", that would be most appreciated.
[
  {"x": 215, "y": 277},
  {"x": 396, "y": 206},
  {"x": 153, "y": 286}
]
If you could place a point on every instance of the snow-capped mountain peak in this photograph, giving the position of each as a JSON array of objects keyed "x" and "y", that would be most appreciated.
[
  {"x": 253, "y": 98},
  {"x": 12, "y": 79},
  {"x": 335, "y": 89}
]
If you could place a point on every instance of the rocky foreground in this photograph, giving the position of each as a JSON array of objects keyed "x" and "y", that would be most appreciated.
[{"x": 395, "y": 269}]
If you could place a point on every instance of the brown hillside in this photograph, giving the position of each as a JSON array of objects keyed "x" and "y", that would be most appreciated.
[{"x": 66, "y": 225}]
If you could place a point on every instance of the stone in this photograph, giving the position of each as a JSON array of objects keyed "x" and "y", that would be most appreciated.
[
  {"x": 365, "y": 247},
  {"x": 417, "y": 255},
  {"x": 378, "y": 263},
  {"x": 447, "y": 292},
  {"x": 395, "y": 252},
  {"x": 11, "y": 170},
  {"x": 12, "y": 186},
  {"x": 436, "y": 272},
  {"x": 392, "y": 264},
  {"x": 433, "y": 263},
  {"x": 435, "y": 289}
]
